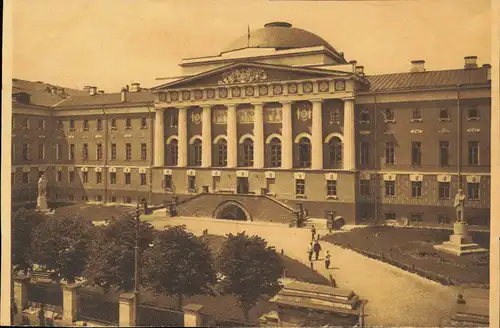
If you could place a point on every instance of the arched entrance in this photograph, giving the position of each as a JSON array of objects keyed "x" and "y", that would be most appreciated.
[{"x": 231, "y": 210}]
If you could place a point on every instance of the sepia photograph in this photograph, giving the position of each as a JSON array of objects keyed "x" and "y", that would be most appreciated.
[{"x": 252, "y": 163}]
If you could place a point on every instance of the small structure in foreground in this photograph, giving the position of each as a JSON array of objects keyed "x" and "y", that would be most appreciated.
[{"x": 471, "y": 309}]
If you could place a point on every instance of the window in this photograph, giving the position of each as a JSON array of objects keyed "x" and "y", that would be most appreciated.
[
  {"x": 444, "y": 114},
  {"x": 144, "y": 123},
  {"x": 99, "y": 152},
  {"x": 113, "y": 151},
  {"x": 85, "y": 125},
  {"x": 390, "y": 153},
  {"x": 128, "y": 123},
  {"x": 128, "y": 178},
  {"x": 113, "y": 199},
  {"x": 13, "y": 122},
  {"x": 128, "y": 151},
  {"x": 444, "y": 153},
  {"x": 59, "y": 176},
  {"x": 72, "y": 125},
  {"x": 416, "y": 154},
  {"x": 98, "y": 177},
  {"x": 144, "y": 151},
  {"x": 473, "y": 114},
  {"x": 416, "y": 189},
  {"x": 335, "y": 116},
  {"x": 444, "y": 190},
  {"x": 196, "y": 153},
  {"x": 71, "y": 176},
  {"x": 167, "y": 182},
  {"x": 335, "y": 148},
  {"x": 174, "y": 120},
  {"x": 365, "y": 116},
  {"x": 300, "y": 187},
  {"x": 112, "y": 178},
  {"x": 59, "y": 152},
  {"x": 60, "y": 125},
  {"x": 275, "y": 152},
  {"x": 443, "y": 219},
  {"x": 99, "y": 198},
  {"x": 247, "y": 152},
  {"x": 71, "y": 197},
  {"x": 331, "y": 187},
  {"x": 85, "y": 198},
  {"x": 473, "y": 156},
  {"x": 191, "y": 183},
  {"x": 473, "y": 191},
  {"x": 41, "y": 125},
  {"x": 71, "y": 151},
  {"x": 416, "y": 217},
  {"x": 416, "y": 115},
  {"x": 389, "y": 115},
  {"x": 85, "y": 152},
  {"x": 364, "y": 187},
  {"x": 26, "y": 152},
  {"x": 26, "y": 123},
  {"x": 113, "y": 124},
  {"x": 85, "y": 177},
  {"x": 221, "y": 150},
  {"x": 143, "y": 179},
  {"x": 242, "y": 185},
  {"x": 390, "y": 216},
  {"x": 127, "y": 199},
  {"x": 174, "y": 152},
  {"x": 26, "y": 177},
  {"x": 304, "y": 148},
  {"x": 41, "y": 150},
  {"x": 390, "y": 188},
  {"x": 99, "y": 124},
  {"x": 364, "y": 152}
]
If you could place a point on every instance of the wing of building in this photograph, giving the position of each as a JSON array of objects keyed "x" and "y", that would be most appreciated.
[{"x": 280, "y": 117}]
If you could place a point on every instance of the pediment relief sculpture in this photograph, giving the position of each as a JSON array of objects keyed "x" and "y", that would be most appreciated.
[{"x": 243, "y": 75}]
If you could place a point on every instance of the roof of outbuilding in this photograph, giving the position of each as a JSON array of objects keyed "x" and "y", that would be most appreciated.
[
  {"x": 40, "y": 92},
  {"x": 141, "y": 97}
]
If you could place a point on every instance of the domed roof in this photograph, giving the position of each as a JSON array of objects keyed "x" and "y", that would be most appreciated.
[{"x": 279, "y": 35}]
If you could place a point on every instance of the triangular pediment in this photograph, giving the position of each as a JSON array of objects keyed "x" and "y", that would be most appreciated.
[{"x": 249, "y": 73}]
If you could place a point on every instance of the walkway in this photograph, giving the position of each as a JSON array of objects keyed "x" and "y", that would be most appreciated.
[{"x": 395, "y": 297}]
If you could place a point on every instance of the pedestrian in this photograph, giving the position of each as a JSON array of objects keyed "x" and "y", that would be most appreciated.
[
  {"x": 310, "y": 251},
  {"x": 317, "y": 249},
  {"x": 26, "y": 320},
  {"x": 41, "y": 315},
  {"x": 313, "y": 232},
  {"x": 327, "y": 260}
]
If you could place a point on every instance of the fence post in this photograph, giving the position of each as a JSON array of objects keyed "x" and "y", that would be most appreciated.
[
  {"x": 192, "y": 315},
  {"x": 21, "y": 284},
  {"x": 127, "y": 310},
  {"x": 70, "y": 302}
]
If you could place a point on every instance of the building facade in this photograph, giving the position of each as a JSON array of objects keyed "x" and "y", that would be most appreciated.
[{"x": 280, "y": 115}]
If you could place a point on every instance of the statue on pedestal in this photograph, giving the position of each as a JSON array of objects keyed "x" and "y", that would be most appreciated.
[
  {"x": 42, "y": 186},
  {"x": 459, "y": 205}
]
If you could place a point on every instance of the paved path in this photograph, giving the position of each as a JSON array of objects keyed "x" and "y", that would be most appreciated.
[{"x": 395, "y": 297}]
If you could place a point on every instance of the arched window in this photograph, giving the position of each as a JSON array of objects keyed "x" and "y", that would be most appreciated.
[
  {"x": 335, "y": 149},
  {"x": 196, "y": 153},
  {"x": 247, "y": 147},
  {"x": 275, "y": 145},
  {"x": 221, "y": 152},
  {"x": 174, "y": 152},
  {"x": 304, "y": 152}
]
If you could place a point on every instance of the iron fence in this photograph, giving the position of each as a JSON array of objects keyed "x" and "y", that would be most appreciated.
[
  {"x": 96, "y": 308},
  {"x": 47, "y": 294},
  {"x": 151, "y": 316}
]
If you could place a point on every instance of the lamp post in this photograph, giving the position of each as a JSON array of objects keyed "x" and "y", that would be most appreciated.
[{"x": 136, "y": 260}]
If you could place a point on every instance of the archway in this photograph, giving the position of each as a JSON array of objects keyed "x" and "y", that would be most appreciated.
[{"x": 231, "y": 210}]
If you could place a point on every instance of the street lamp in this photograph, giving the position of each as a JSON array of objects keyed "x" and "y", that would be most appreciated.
[{"x": 136, "y": 260}]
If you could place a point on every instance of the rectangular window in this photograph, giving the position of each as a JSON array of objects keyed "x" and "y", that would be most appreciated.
[
  {"x": 99, "y": 198},
  {"x": 26, "y": 152},
  {"x": 473, "y": 191},
  {"x": 113, "y": 199},
  {"x": 390, "y": 216},
  {"x": 364, "y": 187},
  {"x": 364, "y": 155},
  {"x": 144, "y": 123},
  {"x": 85, "y": 177},
  {"x": 99, "y": 124},
  {"x": 416, "y": 153},
  {"x": 99, "y": 152},
  {"x": 71, "y": 176},
  {"x": 41, "y": 150},
  {"x": 128, "y": 178},
  {"x": 112, "y": 178},
  {"x": 144, "y": 151},
  {"x": 473, "y": 154},
  {"x": 26, "y": 177},
  {"x": 174, "y": 120},
  {"x": 444, "y": 190},
  {"x": 85, "y": 152},
  {"x": 41, "y": 125},
  {"x": 390, "y": 188},
  {"x": 143, "y": 179},
  {"x": 59, "y": 152},
  {"x": 128, "y": 123},
  {"x": 443, "y": 219},
  {"x": 98, "y": 177},
  {"x": 390, "y": 153},
  {"x": 60, "y": 125},
  {"x": 331, "y": 188},
  {"x": 335, "y": 116},
  {"x": 71, "y": 151},
  {"x": 85, "y": 125},
  {"x": 167, "y": 182},
  {"x": 473, "y": 114},
  {"x": 416, "y": 115},
  {"x": 416, "y": 217},
  {"x": 389, "y": 115},
  {"x": 72, "y": 125},
  {"x": 59, "y": 176},
  {"x": 300, "y": 187},
  {"x": 26, "y": 123},
  {"x": 128, "y": 152},
  {"x": 113, "y": 124},
  {"x": 113, "y": 151},
  {"x": 444, "y": 153},
  {"x": 444, "y": 114},
  {"x": 127, "y": 199},
  {"x": 191, "y": 183},
  {"x": 416, "y": 189}
]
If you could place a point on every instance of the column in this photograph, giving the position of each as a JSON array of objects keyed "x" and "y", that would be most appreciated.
[
  {"x": 258, "y": 135},
  {"x": 317, "y": 135},
  {"x": 206, "y": 135},
  {"x": 21, "y": 292},
  {"x": 286, "y": 136},
  {"x": 349, "y": 158},
  {"x": 192, "y": 315},
  {"x": 70, "y": 302},
  {"x": 182, "y": 135},
  {"x": 232, "y": 137},
  {"x": 159, "y": 142},
  {"x": 127, "y": 310}
]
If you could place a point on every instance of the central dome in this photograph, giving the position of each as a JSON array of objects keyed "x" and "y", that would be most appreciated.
[{"x": 278, "y": 35}]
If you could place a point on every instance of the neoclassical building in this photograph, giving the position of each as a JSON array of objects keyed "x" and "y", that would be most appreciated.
[{"x": 280, "y": 117}]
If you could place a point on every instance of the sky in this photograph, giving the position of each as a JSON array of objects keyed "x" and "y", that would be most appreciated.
[{"x": 111, "y": 43}]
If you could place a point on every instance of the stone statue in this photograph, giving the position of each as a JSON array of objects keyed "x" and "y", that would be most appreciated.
[
  {"x": 459, "y": 205},
  {"x": 42, "y": 186}
]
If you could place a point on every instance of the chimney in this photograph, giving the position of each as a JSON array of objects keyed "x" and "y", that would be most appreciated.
[
  {"x": 61, "y": 92},
  {"x": 417, "y": 66},
  {"x": 470, "y": 62},
  {"x": 86, "y": 88},
  {"x": 488, "y": 71},
  {"x": 124, "y": 94},
  {"x": 101, "y": 92},
  {"x": 353, "y": 63},
  {"x": 92, "y": 91},
  {"x": 135, "y": 87},
  {"x": 360, "y": 70},
  {"x": 53, "y": 90}
]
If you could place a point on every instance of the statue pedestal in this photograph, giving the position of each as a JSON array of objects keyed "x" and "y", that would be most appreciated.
[
  {"x": 42, "y": 204},
  {"x": 460, "y": 243}
]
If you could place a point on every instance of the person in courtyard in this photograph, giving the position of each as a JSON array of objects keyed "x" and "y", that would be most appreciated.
[
  {"x": 313, "y": 232},
  {"x": 25, "y": 320},
  {"x": 317, "y": 249},
  {"x": 310, "y": 251},
  {"x": 327, "y": 260},
  {"x": 41, "y": 315}
]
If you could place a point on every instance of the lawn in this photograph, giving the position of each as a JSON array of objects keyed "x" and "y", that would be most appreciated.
[
  {"x": 93, "y": 212},
  {"x": 412, "y": 249}
]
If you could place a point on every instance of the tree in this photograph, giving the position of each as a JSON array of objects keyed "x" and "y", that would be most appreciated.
[
  {"x": 61, "y": 245},
  {"x": 24, "y": 223},
  {"x": 251, "y": 269},
  {"x": 112, "y": 257},
  {"x": 179, "y": 264}
]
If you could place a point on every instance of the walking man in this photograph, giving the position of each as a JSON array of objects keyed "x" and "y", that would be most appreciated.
[
  {"x": 313, "y": 232},
  {"x": 310, "y": 251},
  {"x": 327, "y": 260},
  {"x": 317, "y": 249}
]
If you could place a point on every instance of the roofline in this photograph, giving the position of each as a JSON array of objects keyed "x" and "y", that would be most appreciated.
[
  {"x": 413, "y": 89},
  {"x": 127, "y": 104}
]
